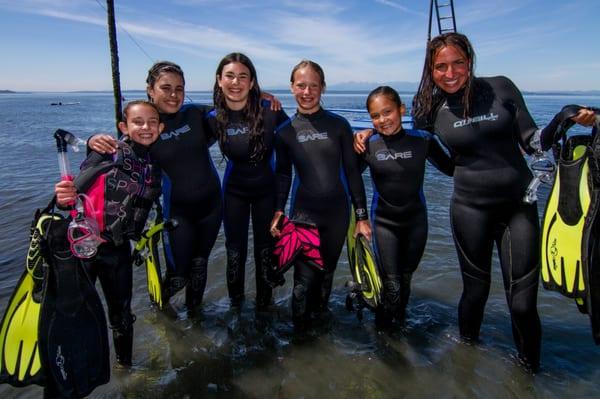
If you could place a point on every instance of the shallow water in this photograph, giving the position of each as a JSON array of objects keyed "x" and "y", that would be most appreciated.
[{"x": 225, "y": 354}]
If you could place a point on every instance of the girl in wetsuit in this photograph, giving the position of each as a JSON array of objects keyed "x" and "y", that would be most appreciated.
[
  {"x": 131, "y": 180},
  {"x": 191, "y": 187},
  {"x": 485, "y": 123},
  {"x": 396, "y": 159},
  {"x": 318, "y": 144},
  {"x": 245, "y": 130}
]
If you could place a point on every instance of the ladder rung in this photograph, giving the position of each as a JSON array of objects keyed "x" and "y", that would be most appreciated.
[{"x": 441, "y": 18}]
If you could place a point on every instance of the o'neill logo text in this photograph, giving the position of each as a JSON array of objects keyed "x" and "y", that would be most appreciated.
[
  {"x": 384, "y": 155},
  {"x": 466, "y": 122},
  {"x": 309, "y": 135}
]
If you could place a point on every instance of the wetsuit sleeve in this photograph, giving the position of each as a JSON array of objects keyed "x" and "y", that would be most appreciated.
[
  {"x": 512, "y": 98},
  {"x": 91, "y": 168},
  {"x": 209, "y": 123},
  {"x": 210, "y": 127},
  {"x": 283, "y": 172},
  {"x": 439, "y": 158},
  {"x": 281, "y": 117},
  {"x": 351, "y": 169}
]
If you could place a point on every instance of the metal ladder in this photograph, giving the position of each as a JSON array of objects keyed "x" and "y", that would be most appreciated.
[{"x": 446, "y": 21}]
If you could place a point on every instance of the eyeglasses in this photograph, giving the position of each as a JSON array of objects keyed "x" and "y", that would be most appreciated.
[{"x": 230, "y": 76}]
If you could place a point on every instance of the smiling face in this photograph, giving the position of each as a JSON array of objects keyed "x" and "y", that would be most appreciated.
[
  {"x": 386, "y": 115},
  {"x": 167, "y": 92},
  {"x": 235, "y": 81},
  {"x": 142, "y": 123},
  {"x": 450, "y": 69},
  {"x": 307, "y": 89}
]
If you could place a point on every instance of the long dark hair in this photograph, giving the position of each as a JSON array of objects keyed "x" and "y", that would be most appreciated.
[
  {"x": 160, "y": 67},
  {"x": 252, "y": 111},
  {"x": 428, "y": 95}
]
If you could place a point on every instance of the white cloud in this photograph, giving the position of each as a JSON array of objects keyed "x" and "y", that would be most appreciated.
[{"x": 395, "y": 4}]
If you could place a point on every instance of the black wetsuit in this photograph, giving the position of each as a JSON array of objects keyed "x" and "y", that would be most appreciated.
[
  {"x": 248, "y": 189},
  {"x": 398, "y": 210},
  {"x": 122, "y": 188},
  {"x": 320, "y": 148},
  {"x": 490, "y": 180},
  {"x": 192, "y": 196}
]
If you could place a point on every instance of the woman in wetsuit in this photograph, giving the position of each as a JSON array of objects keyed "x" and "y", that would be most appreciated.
[
  {"x": 318, "y": 144},
  {"x": 485, "y": 123},
  {"x": 245, "y": 129},
  {"x": 191, "y": 187},
  {"x": 396, "y": 159}
]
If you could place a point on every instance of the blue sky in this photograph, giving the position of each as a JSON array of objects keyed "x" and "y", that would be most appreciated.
[{"x": 62, "y": 45}]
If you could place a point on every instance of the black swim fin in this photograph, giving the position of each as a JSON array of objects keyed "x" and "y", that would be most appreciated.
[{"x": 73, "y": 335}]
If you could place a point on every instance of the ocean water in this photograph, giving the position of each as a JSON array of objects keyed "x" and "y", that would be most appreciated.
[{"x": 225, "y": 354}]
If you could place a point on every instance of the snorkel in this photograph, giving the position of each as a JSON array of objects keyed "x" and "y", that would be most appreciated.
[
  {"x": 83, "y": 232},
  {"x": 64, "y": 138}
]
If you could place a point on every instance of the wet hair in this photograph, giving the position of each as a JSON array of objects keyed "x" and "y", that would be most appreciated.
[
  {"x": 386, "y": 91},
  {"x": 308, "y": 63},
  {"x": 139, "y": 102},
  {"x": 160, "y": 67},
  {"x": 429, "y": 96},
  {"x": 251, "y": 113}
]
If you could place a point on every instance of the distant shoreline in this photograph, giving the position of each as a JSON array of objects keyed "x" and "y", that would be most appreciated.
[{"x": 331, "y": 91}]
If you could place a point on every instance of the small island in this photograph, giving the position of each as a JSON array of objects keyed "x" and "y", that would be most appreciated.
[{"x": 7, "y": 92}]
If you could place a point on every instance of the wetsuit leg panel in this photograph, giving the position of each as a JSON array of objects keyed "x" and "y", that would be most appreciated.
[
  {"x": 520, "y": 270},
  {"x": 114, "y": 267},
  {"x": 332, "y": 231},
  {"x": 263, "y": 209},
  {"x": 236, "y": 219},
  {"x": 472, "y": 229}
]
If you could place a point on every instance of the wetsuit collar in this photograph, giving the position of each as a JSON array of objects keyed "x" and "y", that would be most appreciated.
[
  {"x": 311, "y": 117},
  {"x": 140, "y": 150}
]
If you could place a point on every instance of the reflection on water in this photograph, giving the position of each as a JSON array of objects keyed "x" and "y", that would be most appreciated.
[{"x": 239, "y": 354}]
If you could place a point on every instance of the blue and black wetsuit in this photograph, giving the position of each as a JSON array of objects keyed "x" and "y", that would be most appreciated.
[
  {"x": 319, "y": 146},
  {"x": 398, "y": 210},
  {"x": 122, "y": 188},
  {"x": 248, "y": 189},
  {"x": 192, "y": 196},
  {"x": 490, "y": 180}
]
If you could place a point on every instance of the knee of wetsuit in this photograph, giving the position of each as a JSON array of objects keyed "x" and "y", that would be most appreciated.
[
  {"x": 198, "y": 273},
  {"x": 392, "y": 290},
  {"x": 299, "y": 297},
  {"x": 233, "y": 264},
  {"x": 523, "y": 295},
  {"x": 266, "y": 261},
  {"x": 122, "y": 324},
  {"x": 174, "y": 285},
  {"x": 472, "y": 273}
]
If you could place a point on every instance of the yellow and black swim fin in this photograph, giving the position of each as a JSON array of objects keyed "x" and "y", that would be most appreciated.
[
  {"x": 570, "y": 210},
  {"x": 366, "y": 284},
  {"x": 570, "y": 248},
  {"x": 20, "y": 362},
  {"x": 146, "y": 250}
]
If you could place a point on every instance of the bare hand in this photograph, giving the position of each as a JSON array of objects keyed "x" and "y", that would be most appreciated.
[
  {"x": 274, "y": 229},
  {"x": 66, "y": 193},
  {"x": 585, "y": 117},
  {"x": 360, "y": 138},
  {"x": 103, "y": 143},
  {"x": 363, "y": 227},
  {"x": 275, "y": 103}
]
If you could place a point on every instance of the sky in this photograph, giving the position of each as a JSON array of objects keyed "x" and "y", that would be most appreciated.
[{"x": 62, "y": 45}]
